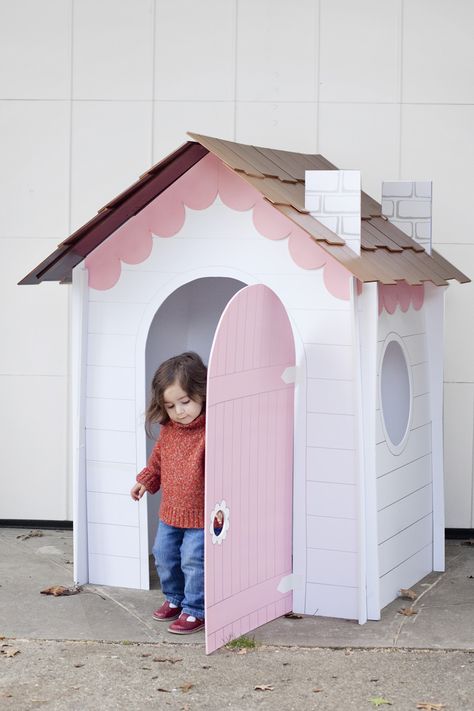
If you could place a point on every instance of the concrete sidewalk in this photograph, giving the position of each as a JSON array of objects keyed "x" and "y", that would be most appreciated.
[{"x": 445, "y": 605}]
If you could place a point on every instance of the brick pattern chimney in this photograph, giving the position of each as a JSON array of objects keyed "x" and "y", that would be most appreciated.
[
  {"x": 333, "y": 198},
  {"x": 407, "y": 205}
]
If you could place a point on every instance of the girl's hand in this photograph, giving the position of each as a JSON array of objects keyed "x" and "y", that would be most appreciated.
[{"x": 137, "y": 491}]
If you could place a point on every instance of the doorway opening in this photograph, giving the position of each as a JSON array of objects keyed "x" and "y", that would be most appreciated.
[{"x": 186, "y": 321}]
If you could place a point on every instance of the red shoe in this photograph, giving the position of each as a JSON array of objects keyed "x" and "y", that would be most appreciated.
[
  {"x": 167, "y": 613},
  {"x": 186, "y": 624}
]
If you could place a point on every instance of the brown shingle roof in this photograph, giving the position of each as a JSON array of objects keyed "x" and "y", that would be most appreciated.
[{"x": 387, "y": 254}]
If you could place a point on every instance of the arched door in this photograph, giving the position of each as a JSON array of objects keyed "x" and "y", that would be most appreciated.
[{"x": 249, "y": 467}]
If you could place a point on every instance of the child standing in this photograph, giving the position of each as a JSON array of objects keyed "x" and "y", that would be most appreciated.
[{"x": 176, "y": 465}]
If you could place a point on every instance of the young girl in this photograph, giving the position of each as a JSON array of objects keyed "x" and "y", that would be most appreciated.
[{"x": 176, "y": 465}]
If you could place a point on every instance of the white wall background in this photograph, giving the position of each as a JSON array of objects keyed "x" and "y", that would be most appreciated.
[{"x": 92, "y": 92}]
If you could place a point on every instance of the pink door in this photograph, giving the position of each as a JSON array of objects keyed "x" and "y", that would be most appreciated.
[{"x": 249, "y": 467}]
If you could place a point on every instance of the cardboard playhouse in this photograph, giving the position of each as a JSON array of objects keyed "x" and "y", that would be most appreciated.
[{"x": 320, "y": 314}]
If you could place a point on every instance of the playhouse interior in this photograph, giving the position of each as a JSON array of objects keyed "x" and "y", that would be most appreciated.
[{"x": 186, "y": 321}]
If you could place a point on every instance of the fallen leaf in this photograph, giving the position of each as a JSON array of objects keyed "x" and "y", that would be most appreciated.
[
  {"x": 78, "y": 666},
  {"x": 428, "y": 706},
  {"x": 407, "y": 611},
  {"x": 379, "y": 701},
  {"x": 58, "y": 590},
  {"x": 410, "y": 594},
  {"x": 167, "y": 659},
  {"x": 293, "y": 616},
  {"x": 31, "y": 534},
  {"x": 187, "y": 686},
  {"x": 263, "y": 687},
  {"x": 316, "y": 691},
  {"x": 147, "y": 654},
  {"x": 10, "y": 652},
  {"x": 206, "y": 666},
  {"x": 166, "y": 691}
]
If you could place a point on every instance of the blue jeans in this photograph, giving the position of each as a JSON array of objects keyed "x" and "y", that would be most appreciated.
[{"x": 179, "y": 557}]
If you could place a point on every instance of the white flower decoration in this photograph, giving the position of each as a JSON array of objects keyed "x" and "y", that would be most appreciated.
[{"x": 219, "y": 522}]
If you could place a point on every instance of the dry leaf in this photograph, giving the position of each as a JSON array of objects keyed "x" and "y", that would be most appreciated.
[
  {"x": 380, "y": 701},
  {"x": 10, "y": 652},
  {"x": 58, "y": 590},
  {"x": 407, "y": 611},
  {"x": 293, "y": 616},
  {"x": 78, "y": 666},
  {"x": 317, "y": 691},
  {"x": 410, "y": 594},
  {"x": 148, "y": 654},
  {"x": 263, "y": 687},
  {"x": 166, "y": 691},
  {"x": 167, "y": 659},
  {"x": 187, "y": 686},
  {"x": 31, "y": 534},
  {"x": 428, "y": 706}
]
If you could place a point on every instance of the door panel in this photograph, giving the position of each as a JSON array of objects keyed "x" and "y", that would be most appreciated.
[{"x": 249, "y": 466}]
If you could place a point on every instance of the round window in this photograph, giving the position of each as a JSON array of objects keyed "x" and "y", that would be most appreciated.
[{"x": 395, "y": 393}]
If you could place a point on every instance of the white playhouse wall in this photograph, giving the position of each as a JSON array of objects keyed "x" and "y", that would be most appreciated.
[
  {"x": 404, "y": 487},
  {"x": 221, "y": 242}
]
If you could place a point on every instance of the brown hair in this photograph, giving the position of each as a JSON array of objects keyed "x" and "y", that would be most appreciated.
[{"x": 191, "y": 374}]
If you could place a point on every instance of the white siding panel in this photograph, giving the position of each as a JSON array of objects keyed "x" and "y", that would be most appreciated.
[
  {"x": 404, "y": 513},
  {"x": 332, "y": 601},
  {"x": 331, "y": 396},
  {"x": 329, "y": 361},
  {"x": 114, "y": 570},
  {"x": 420, "y": 379},
  {"x": 111, "y": 446},
  {"x": 379, "y": 433},
  {"x": 405, "y": 544},
  {"x": 405, "y": 324},
  {"x": 106, "y": 539},
  {"x": 111, "y": 350},
  {"x": 332, "y": 534},
  {"x": 418, "y": 445},
  {"x": 109, "y": 318},
  {"x": 333, "y": 431},
  {"x": 333, "y": 465},
  {"x": 332, "y": 500},
  {"x": 112, "y": 509},
  {"x": 142, "y": 282},
  {"x": 110, "y": 477},
  {"x": 406, "y": 575},
  {"x": 298, "y": 290},
  {"x": 416, "y": 347},
  {"x": 404, "y": 481},
  {"x": 421, "y": 414},
  {"x": 110, "y": 414},
  {"x": 113, "y": 383},
  {"x": 332, "y": 567},
  {"x": 323, "y": 327}
]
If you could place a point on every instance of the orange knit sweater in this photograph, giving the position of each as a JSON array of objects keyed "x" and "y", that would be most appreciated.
[{"x": 176, "y": 465}]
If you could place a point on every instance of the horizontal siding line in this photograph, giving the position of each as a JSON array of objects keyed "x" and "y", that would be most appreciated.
[
  {"x": 406, "y": 559},
  {"x": 333, "y": 585},
  {"x": 332, "y": 414},
  {"x": 122, "y": 525},
  {"x": 409, "y": 335},
  {"x": 340, "y": 380},
  {"x": 115, "y": 555},
  {"x": 331, "y": 449},
  {"x": 331, "y": 550},
  {"x": 119, "y": 367},
  {"x": 34, "y": 375},
  {"x": 249, "y": 587},
  {"x": 423, "y": 456},
  {"x": 380, "y": 543},
  {"x": 404, "y": 497},
  {"x": 107, "y": 461},
  {"x": 331, "y": 345},
  {"x": 108, "y": 333},
  {"x": 107, "y": 429},
  {"x": 336, "y": 483},
  {"x": 332, "y": 518},
  {"x": 320, "y": 310},
  {"x": 105, "y": 397},
  {"x": 114, "y": 493}
]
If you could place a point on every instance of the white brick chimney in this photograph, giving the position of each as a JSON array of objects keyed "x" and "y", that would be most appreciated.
[
  {"x": 407, "y": 205},
  {"x": 333, "y": 198}
]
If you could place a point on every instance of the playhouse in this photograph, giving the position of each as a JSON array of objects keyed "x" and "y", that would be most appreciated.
[{"x": 320, "y": 314}]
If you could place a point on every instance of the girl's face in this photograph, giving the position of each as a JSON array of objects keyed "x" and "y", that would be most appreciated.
[{"x": 179, "y": 406}]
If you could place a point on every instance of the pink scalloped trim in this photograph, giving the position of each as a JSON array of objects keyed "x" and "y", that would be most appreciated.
[
  {"x": 400, "y": 294},
  {"x": 197, "y": 189}
]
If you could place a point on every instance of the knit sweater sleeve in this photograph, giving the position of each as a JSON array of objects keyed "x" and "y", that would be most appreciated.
[{"x": 150, "y": 476}]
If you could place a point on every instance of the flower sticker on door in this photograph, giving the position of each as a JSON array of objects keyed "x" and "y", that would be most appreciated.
[{"x": 219, "y": 522}]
